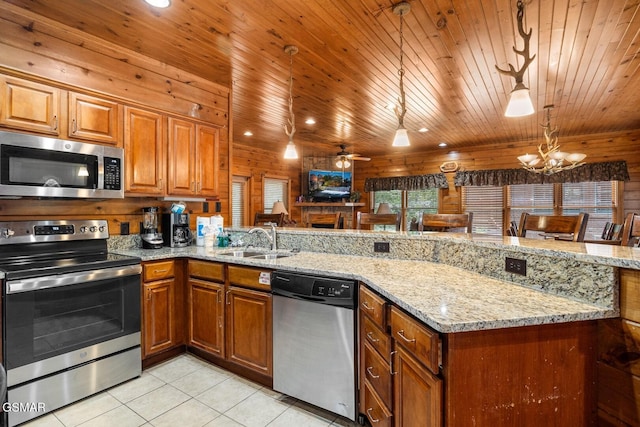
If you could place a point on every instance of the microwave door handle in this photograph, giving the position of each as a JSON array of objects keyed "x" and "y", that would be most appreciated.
[{"x": 54, "y": 281}]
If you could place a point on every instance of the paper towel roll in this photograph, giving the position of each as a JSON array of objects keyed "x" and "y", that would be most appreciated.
[
  {"x": 217, "y": 223},
  {"x": 201, "y": 223}
]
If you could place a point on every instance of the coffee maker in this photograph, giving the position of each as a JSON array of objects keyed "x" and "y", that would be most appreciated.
[
  {"x": 151, "y": 238},
  {"x": 175, "y": 230}
]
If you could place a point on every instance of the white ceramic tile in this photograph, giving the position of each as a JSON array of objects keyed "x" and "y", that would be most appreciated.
[
  {"x": 135, "y": 388},
  {"x": 223, "y": 421},
  {"x": 189, "y": 414},
  {"x": 121, "y": 416},
  {"x": 227, "y": 394},
  {"x": 198, "y": 381},
  {"x": 157, "y": 402},
  {"x": 257, "y": 410},
  {"x": 87, "y": 409},
  {"x": 49, "y": 420},
  {"x": 175, "y": 368},
  {"x": 298, "y": 417}
]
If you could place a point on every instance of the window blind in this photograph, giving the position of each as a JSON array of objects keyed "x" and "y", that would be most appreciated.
[
  {"x": 238, "y": 208},
  {"x": 598, "y": 199},
  {"x": 486, "y": 205},
  {"x": 274, "y": 189}
]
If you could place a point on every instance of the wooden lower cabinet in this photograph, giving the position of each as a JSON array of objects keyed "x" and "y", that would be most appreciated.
[
  {"x": 417, "y": 392},
  {"x": 206, "y": 316},
  {"x": 249, "y": 334},
  {"x": 619, "y": 358},
  {"x": 162, "y": 313}
]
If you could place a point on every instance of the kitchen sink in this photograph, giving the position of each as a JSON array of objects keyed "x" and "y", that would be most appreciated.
[{"x": 255, "y": 254}]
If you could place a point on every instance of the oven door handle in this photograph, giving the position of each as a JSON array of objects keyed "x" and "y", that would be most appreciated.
[{"x": 46, "y": 282}]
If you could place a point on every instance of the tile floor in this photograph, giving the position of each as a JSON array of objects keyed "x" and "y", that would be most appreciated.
[{"x": 189, "y": 392}]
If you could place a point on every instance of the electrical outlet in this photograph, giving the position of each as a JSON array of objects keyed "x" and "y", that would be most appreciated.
[
  {"x": 516, "y": 266},
  {"x": 205, "y": 207},
  {"x": 124, "y": 228},
  {"x": 380, "y": 246}
]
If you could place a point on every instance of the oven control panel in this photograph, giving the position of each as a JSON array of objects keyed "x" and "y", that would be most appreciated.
[{"x": 54, "y": 230}]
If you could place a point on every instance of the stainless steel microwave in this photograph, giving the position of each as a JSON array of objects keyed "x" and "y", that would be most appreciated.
[{"x": 38, "y": 166}]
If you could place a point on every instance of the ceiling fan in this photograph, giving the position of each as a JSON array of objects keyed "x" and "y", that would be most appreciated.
[{"x": 343, "y": 157}]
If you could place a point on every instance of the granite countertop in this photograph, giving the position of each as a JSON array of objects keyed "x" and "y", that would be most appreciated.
[{"x": 447, "y": 298}]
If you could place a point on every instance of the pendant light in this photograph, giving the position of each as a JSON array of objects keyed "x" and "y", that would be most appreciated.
[
  {"x": 519, "y": 100},
  {"x": 290, "y": 152},
  {"x": 401, "y": 138}
]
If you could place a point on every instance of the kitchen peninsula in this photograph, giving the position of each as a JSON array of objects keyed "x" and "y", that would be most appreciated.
[{"x": 505, "y": 348}]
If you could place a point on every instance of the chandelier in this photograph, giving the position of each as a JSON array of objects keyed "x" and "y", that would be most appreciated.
[
  {"x": 551, "y": 159},
  {"x": 290, "y": 152},
  {"x": 401, "y": 138},
  {"x": 519, "y": 101}
]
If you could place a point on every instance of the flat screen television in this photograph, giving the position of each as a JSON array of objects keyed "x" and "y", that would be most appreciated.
[{"x": 329, "y": 186}]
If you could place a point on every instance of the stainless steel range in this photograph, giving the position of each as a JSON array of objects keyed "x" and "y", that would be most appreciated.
[{"x": 71, "y": 314}]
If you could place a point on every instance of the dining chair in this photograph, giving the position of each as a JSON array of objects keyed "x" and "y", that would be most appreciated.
[
  {"x": 445, "y": 222},
  {"x": 560, "y": 227},
  {"x": 324, "y": 220},
  {"x": 371, "y": 219},
  {"x": 262, "y": 219},
  {"x": 631, "y": 230}
]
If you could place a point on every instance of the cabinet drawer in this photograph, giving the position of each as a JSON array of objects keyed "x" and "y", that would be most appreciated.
[
  {"x": 158, "y": 270},
  {"x": 376, "y": 371},
  {"x": 373, "y": 335},
  {"x": 376, "y": 411},
  {"x": 213, "y": 271},
  {"x": 255, "y": 278},
  {"x": 421, "y": 341},
  {"x": 373, "y": 306}
]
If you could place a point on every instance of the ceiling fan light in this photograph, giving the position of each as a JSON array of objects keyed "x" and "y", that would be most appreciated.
[
  {"x": 401, "y": 139},
  {"x": 520, "y": 104},
  {"x": 290, "y": 152}
]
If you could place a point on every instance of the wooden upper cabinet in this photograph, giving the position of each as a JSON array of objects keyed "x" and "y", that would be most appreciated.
[
  {"x": 181, "y": 155},
  {"x": 144, "y": 152},
  {"x": 208, "y": 160},
  {"x": 95, "y": 119},
  {"x": 193, "y": 159},
  {"x": 29, "y": 106}
]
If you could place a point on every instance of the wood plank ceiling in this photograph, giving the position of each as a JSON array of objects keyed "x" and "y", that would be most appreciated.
[{"x": 346, "y": 71}]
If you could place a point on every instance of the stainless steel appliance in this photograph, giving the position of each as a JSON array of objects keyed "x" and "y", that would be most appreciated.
[
  {"x": 151, "y": 237},
  {"x": 71, "y": 313},
  {"x": 175, "y": 230},
  {"x": 37, "y": 166},
  {"x": 314, "y": 340}
]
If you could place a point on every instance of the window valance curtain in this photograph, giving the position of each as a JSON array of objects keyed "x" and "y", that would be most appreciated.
[
  {"x": 414, "y": 182},
  {"x": 590, "y": 172}
]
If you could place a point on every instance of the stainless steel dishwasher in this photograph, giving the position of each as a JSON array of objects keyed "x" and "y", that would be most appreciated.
[{"x": 314, "y": 340}]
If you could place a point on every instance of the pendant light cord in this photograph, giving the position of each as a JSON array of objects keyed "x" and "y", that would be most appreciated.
[
  {"x": 291, "y": 119},
  {"x": 401, "y": 110}
]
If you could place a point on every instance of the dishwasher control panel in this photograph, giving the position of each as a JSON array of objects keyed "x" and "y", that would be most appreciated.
[{"x": 324, "y": 290}]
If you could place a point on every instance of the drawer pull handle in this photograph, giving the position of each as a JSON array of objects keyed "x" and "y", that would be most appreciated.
[
  {"x": 391, "y": 362},
  {"x": 401, "y": 333},
  {"x": 160, "y": 271},
  {"x": 373, "y": 420},
  {"x": 371, "y": 373},
  {"x": 371, "y": 338},
  {"x": 366, "y": 306}
]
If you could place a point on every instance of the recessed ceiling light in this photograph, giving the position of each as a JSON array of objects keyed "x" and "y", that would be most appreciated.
[
  {"x": 248, "y": 133},
  {"x": 423, "y": 130},
  {"x": 310, "y": 121},
  {"x": 442, "y": 144},
  {"x": 159, "y": 3}
]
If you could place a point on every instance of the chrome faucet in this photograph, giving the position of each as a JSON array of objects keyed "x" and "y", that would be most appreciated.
[{"x": 271, "y": 236}]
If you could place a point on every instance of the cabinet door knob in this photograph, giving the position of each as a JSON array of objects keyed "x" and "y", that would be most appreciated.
[
  {"x": 55, "y": 122},
  {"x": 74, "y": 126}
]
